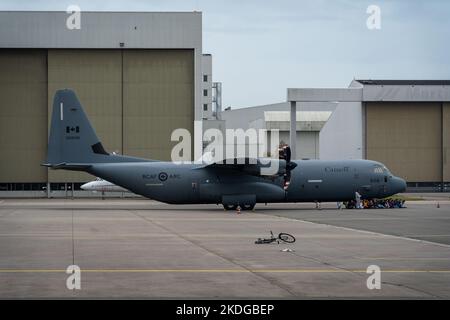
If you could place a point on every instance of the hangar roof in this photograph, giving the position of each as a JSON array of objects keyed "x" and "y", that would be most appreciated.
[
  {"x": 405, "y": 82},
  {"x": 101, "y": 30},
  {"x": 377, "y": 90}
]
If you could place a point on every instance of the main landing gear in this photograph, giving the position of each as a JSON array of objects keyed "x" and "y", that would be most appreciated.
[{"x": 243, "y": 206}]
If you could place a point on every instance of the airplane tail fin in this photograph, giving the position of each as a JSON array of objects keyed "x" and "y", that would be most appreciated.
[
  {"x": 72, "y": 138},
  {"x": 73, "y": 143}
]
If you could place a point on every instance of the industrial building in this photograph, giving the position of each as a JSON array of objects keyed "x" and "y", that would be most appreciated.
[
  {"x": 404, "y": 124},
  {"x": 311, "y": 118},
  {"x": 137, "y": 74},
  {"x": 207, "y": 85}
]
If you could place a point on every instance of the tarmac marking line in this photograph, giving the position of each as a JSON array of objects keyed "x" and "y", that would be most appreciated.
[
  {"x": 215, "y": 271},
  {"x": 427, "y": 235},
  {"x": 369, "y": 232},
  {"x": 406, "y": 259}
]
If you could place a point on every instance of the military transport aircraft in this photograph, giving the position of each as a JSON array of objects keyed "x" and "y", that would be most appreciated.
[{"x": 73, "y": 145}]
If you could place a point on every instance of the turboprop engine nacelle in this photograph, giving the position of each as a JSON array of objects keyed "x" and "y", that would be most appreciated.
[{"x": 263, "y": 166}]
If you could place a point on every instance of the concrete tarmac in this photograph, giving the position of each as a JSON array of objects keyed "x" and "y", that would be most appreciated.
[{"x": 145, "y": 249}]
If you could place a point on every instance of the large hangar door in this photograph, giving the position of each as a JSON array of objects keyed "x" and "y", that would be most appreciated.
[
  {"x": 307, "y": 144},
  {"x": 23, "y": 115},
  {"x": 96, "y": 76},
  {"x": 406, "y": 137},
  {"x": 158, "y": 97}
]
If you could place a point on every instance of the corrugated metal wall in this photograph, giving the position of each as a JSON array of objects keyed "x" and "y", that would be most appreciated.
[
  {"x": 23, "y": 115},
  {"x": 158, "y": 94},
  {"x": 134, "y": 99},
  {"x": 446, "y": 141},
  {"x": 407, "y": 138}
]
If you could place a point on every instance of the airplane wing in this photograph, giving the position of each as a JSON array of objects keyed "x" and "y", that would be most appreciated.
[{"x": 255, "y": 166}]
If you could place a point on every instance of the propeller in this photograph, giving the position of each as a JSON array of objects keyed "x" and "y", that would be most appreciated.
[{"x": 284, "y": 152}]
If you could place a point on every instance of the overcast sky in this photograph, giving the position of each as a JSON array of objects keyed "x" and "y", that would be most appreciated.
[{"x": 262, "y": 47}]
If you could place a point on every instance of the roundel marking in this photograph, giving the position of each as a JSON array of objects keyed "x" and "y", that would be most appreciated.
[{"x": 163, "y": 176}]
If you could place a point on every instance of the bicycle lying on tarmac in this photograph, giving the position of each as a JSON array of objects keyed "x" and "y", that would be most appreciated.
[{"x": 283, "y": 237}]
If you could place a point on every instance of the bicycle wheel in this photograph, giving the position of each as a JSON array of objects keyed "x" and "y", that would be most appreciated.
[{"x": 286, "y": 237}]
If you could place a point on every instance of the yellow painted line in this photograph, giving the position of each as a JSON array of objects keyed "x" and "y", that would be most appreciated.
[{"x": 215, "y": 271}]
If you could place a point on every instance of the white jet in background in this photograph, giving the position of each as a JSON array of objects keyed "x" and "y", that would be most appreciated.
[{"x": 101, "y": 185}]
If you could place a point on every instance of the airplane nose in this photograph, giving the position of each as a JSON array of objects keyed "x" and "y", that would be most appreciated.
[
  {"x": 85, "y": 186},
  {"x": 399, "y": 185}
]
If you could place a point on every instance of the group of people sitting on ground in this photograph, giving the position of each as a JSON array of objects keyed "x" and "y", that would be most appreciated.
[{"x": 374, "y": 204}]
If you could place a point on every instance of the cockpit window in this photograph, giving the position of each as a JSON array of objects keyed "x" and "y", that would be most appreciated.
[
  {"x": 381, "y": 169},
  {"x": 378, "y": 169}
]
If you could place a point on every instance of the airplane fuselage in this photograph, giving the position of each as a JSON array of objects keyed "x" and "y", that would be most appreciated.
[{"x": 311, "y": 180}]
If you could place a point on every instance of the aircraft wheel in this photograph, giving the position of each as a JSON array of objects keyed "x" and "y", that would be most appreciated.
[
  {"x": 230, "y": 206},
  {"x": 248, "y": 206}
]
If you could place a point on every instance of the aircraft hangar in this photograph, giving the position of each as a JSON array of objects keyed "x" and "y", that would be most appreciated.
[
  {"x": 137, "y": 74},
  {"x": 404, "y": 124}
]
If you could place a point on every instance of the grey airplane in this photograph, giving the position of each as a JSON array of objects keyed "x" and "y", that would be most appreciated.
[{"x": 73, "y": 145}]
